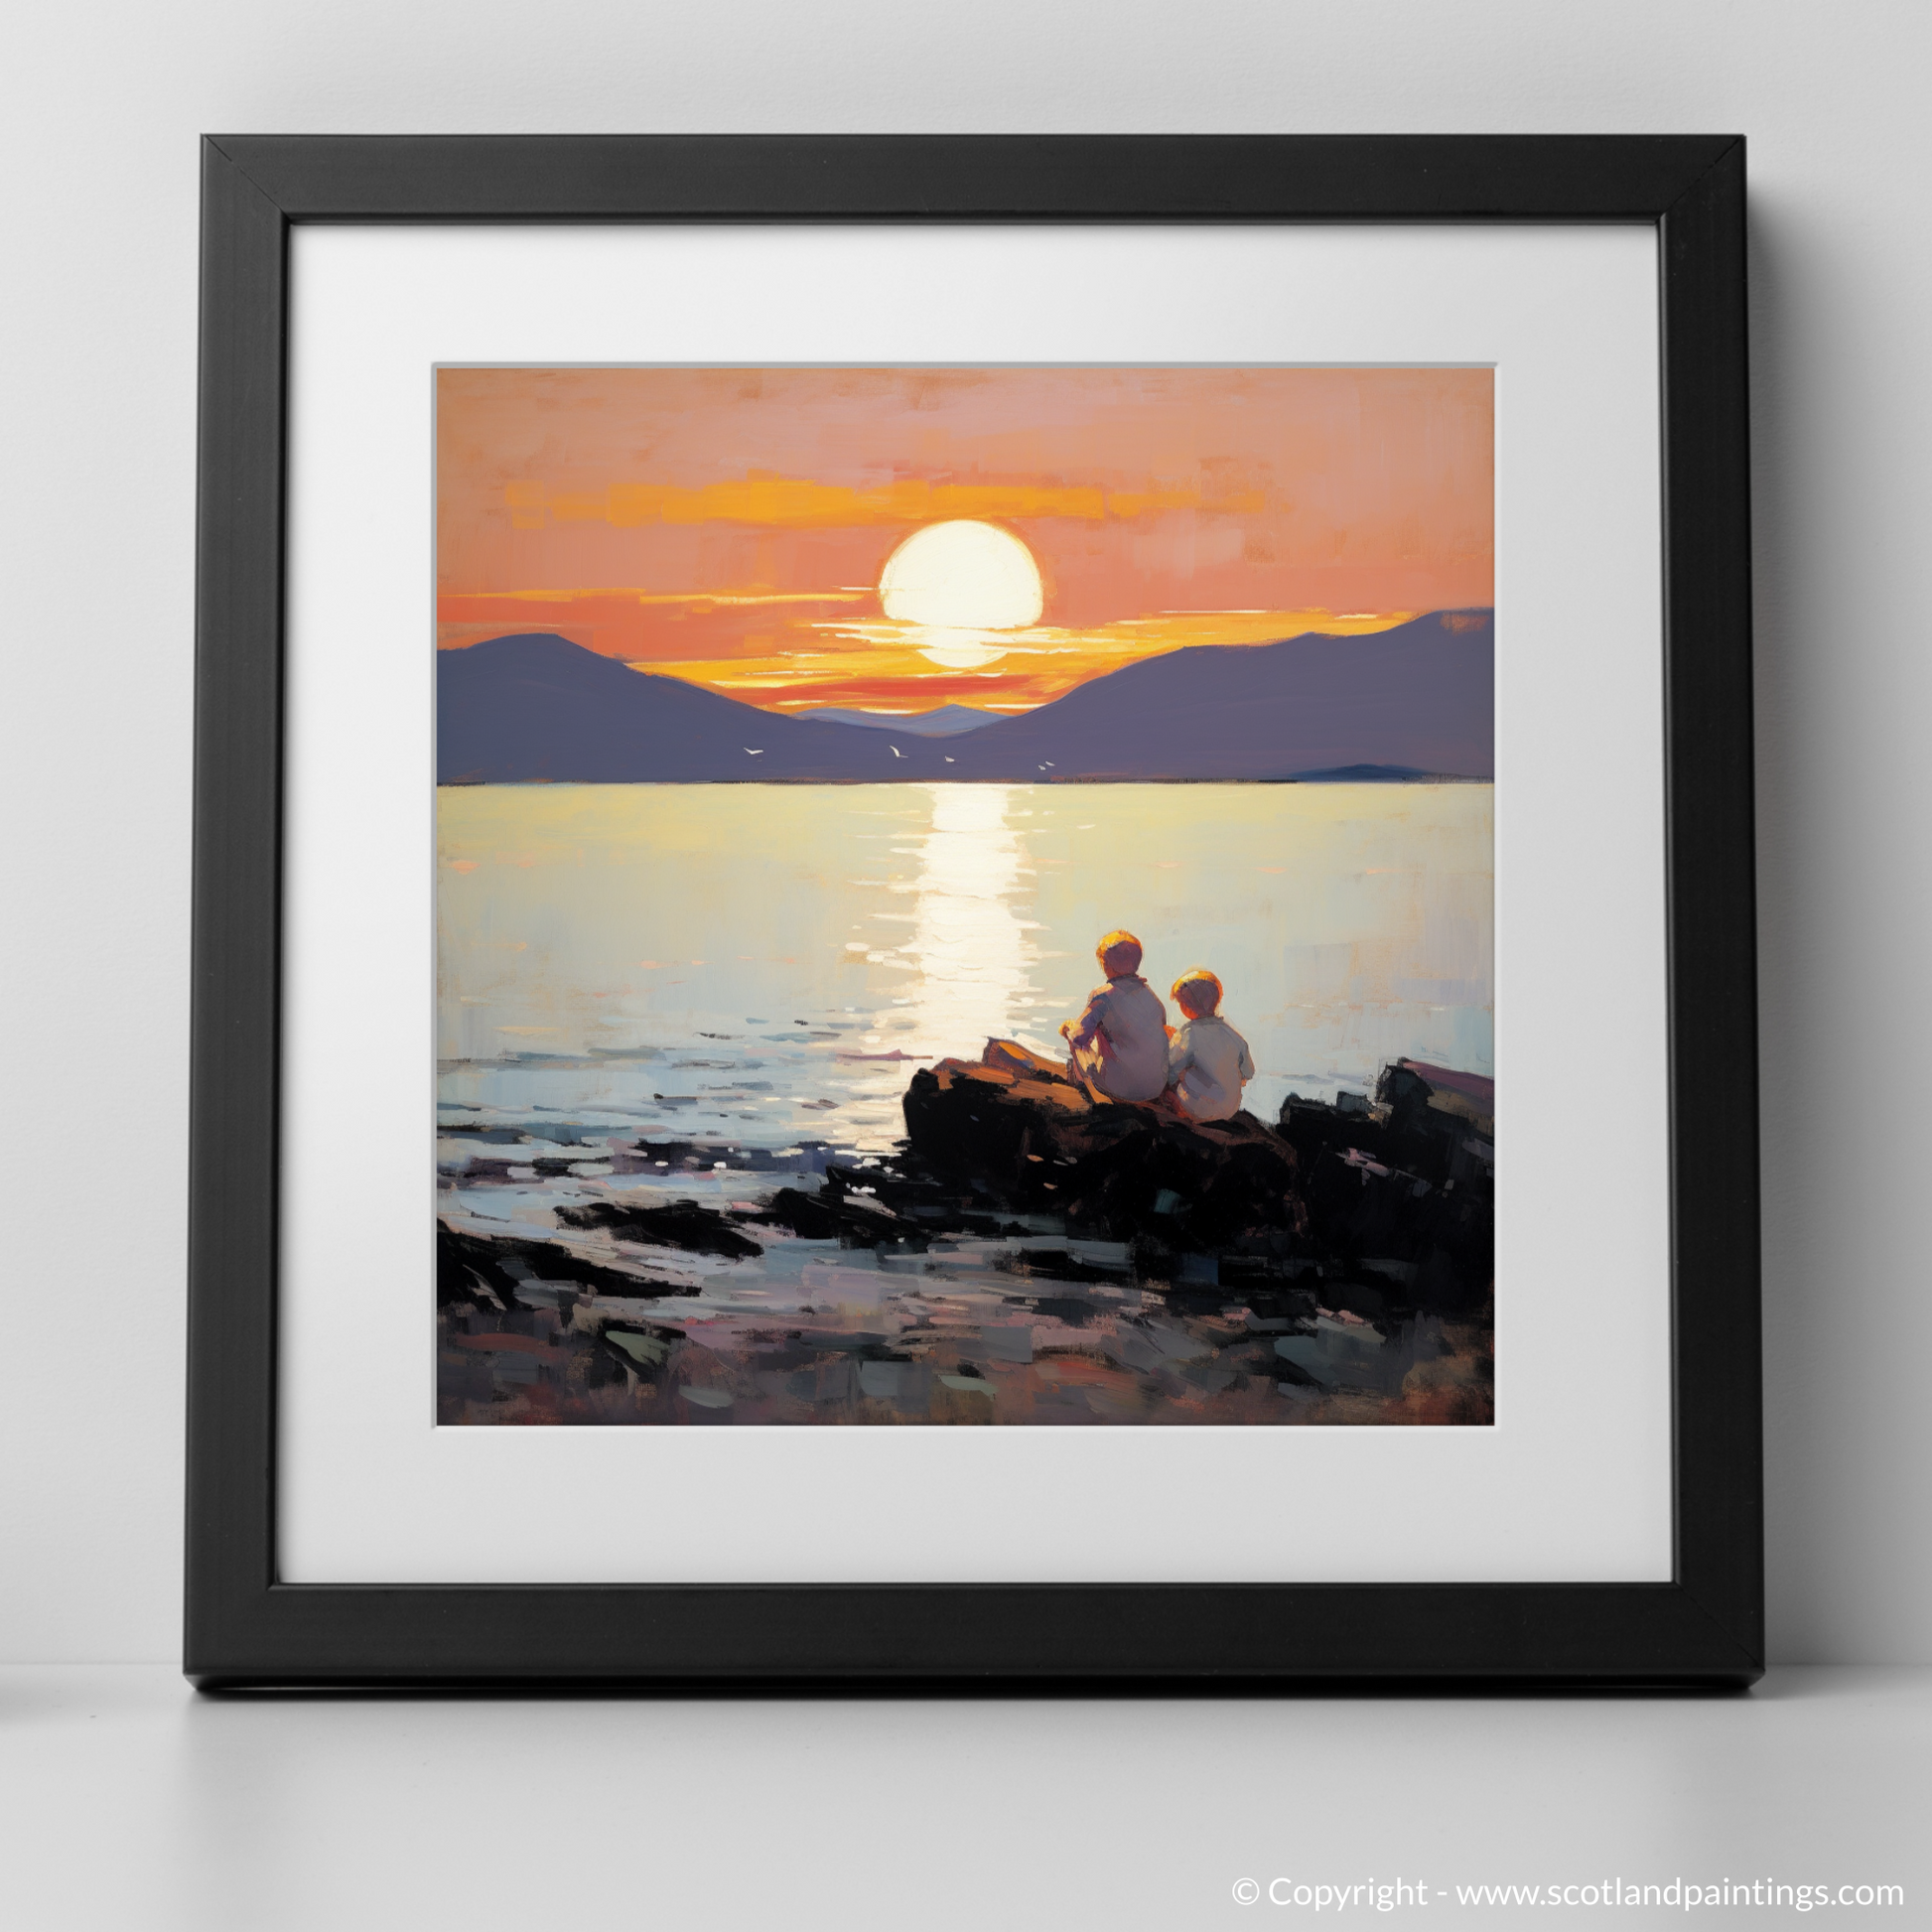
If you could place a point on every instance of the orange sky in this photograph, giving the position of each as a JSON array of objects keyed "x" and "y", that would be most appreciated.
[{"x": 730, "y": 525}]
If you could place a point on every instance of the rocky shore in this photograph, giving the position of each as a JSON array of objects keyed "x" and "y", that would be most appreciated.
[
  {"x": 1399, "y": 1190},
  {"x": 1029, "y": 1253}
]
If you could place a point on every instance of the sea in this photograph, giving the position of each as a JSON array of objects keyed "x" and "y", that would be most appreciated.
[
  {"x": 651, "y": 993},
  {"x": 768, "y": 963}
]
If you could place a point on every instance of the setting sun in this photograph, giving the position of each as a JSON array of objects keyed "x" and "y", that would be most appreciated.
[
  {"x": 959, "y": 585},
  {"x": 897, "y": 540}
]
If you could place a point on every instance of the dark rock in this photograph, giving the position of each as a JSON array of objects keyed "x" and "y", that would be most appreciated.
[
  {"x": 1405, "y": 1192},
  {"x": 1441, "y": 1124},
  {"x": 1429, "y": 1121},
  {"x": 1373, "y": 1207},
  {"x": 1056, "y": 1265},
  {"x": 926, "y": 1200},
  {"x": 682, "y": 1224},
  {"x": 1113, "y": 1171},
  {"x": 500, "y": 1265},
  {"x": 832, "y": 1214},
  {"x": 708, "y": 1156},
  {"x": 466, "y": 1262}
]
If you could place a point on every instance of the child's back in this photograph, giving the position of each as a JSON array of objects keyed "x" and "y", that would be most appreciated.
[
  {"x": 1119, "y": 1044},
  {"x": 1209, "y": 1062},
  {"x": 1129, "y": 1027}
]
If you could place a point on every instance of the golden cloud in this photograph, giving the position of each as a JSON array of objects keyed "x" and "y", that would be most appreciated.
[{"x": 796, "y": 503}]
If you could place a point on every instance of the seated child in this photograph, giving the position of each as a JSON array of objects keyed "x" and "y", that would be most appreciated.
[
  {"x": 1209, "y": 1062},
  {"x": 1120, "y": 1043}
]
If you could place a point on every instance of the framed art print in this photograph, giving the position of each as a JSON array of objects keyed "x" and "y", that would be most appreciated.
[
  {"x": 972, "y": 910},
  {"x": 979, "y": 1163}
]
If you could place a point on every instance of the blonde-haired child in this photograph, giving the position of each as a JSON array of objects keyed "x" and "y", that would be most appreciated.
[
  {"x": 1209, "y": 1062},
  {"x": 1120, "y": 1043}
]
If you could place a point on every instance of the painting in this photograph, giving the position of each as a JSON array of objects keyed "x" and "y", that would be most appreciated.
[{"x": 965, "y": 896}]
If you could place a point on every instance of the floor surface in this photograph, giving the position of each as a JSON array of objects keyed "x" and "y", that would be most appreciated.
[{"x": 126, "y": 1801}]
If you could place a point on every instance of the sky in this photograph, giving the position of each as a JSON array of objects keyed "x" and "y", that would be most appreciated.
[{"x": 731, "y": 526}]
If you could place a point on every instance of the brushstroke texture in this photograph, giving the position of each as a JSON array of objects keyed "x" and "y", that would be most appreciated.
[{"x": 1419, "y": 697}]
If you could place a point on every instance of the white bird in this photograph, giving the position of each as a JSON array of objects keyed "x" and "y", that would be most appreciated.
[
  {"x": 895, "y": 752},
  {"x": 950, "y": 761},
  {"x": 749, "y": 753}
]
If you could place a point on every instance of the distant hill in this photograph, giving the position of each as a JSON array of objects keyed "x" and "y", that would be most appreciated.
[
  {"x": 1369, "y": 775},
  {"x": 538, "y": 707},
  {"x": 948, "y": 721},
  {"x": 1414, "y": 701},
  {"x": 1421, "y": 697}
]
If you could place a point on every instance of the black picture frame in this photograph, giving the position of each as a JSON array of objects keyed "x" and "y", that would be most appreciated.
[{"x": 245, "y": 1627}]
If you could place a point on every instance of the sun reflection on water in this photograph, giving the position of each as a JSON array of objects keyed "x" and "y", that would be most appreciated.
[
  {"x": 852, "y": 932},
  {"x": 970, "y": 947}
]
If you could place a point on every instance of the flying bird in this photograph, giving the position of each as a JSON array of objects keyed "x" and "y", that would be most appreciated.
[{"x": 758, "y": 754}]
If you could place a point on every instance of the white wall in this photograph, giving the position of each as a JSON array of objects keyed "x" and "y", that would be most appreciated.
[{"x": 102, "y": 107}]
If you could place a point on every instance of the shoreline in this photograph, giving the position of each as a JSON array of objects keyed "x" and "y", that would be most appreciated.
[{"x": 925, "y": 1287}]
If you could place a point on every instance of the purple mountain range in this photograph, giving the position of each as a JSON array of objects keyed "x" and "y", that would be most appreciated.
[
  {"x": 1417, "y": 701},
  {"x": 948, "y": 721}
]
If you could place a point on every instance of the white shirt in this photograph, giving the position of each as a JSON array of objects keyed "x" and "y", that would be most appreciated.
[
  {"x": 1127, "y": 1018},
  {"x": 1208, "y": 1063}
]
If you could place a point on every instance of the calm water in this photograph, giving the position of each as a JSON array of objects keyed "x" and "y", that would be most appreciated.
[
  {"x": 753, "y": 972},
  {"x": 763, "y": 962}
]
